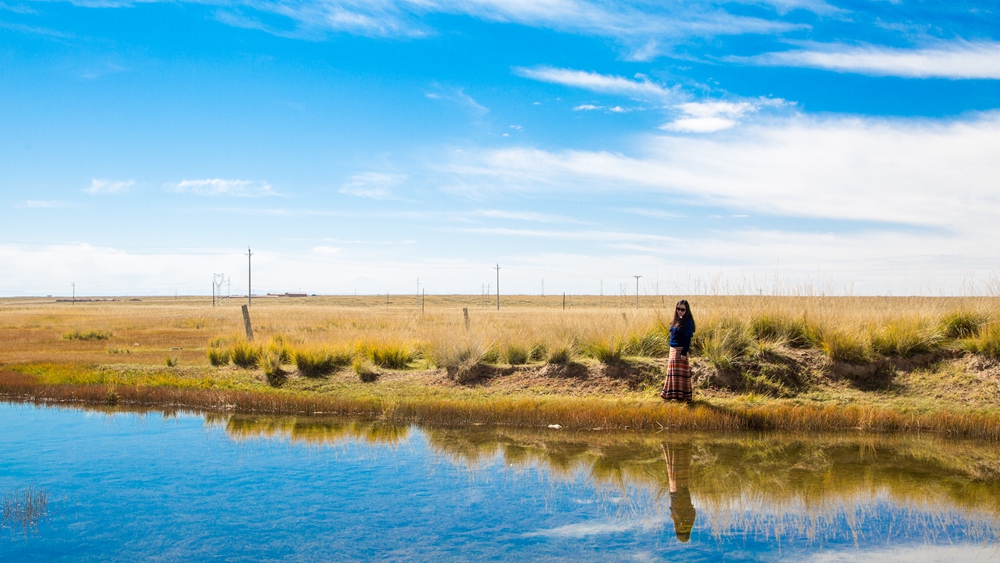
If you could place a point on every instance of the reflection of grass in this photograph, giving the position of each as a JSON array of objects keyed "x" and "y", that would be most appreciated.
[
  {"x": 25, "y": 508},
  {"x": 811, "y": 479},
  {"x": 412, "y": 402}
]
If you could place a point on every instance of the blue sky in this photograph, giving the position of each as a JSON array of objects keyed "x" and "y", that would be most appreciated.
[{"x": 797, "y": 145}]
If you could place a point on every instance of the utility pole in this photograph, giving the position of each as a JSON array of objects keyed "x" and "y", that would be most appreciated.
[
  {"x": 249, "y": 278},
  {"x": 74, "y": 293},
  {"x": 213, "y": 292},
  {"x": 498, "y": 286},
  {"x": 636, "y": 291},
  {"x": 423, "y": 297},
  {"x": 543, "y": 287}
]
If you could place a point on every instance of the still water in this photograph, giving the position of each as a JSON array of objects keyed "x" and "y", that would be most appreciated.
[{"x": 179, "y": 487}]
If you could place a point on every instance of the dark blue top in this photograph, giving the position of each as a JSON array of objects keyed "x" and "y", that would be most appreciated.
[{"x": 680, "y": 336}]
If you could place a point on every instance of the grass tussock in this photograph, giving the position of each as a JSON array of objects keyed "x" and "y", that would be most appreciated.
[
  {"x": 317, "y": 362},
  {"x": 986, "y": 342},
  {"x": 271, "y": 361},
  {"x": 364, "y": 369},
  {"x": 561, "y": 355},
  {"x": 608, "y": 351},
  {"x": 389, "y": 355},
  {"x": 245, "y": 354},
  {"x": 88, "y": 335},
  {"x": 962, "y": 324},
  {"x": 218, "y": 357}
]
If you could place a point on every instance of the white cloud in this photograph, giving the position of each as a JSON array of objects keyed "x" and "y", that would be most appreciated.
[
  {"x": 708, "y": 117},
  {"x": 958, "y": 60},
  {"x": 373, "y": 185},
  {"x": 108, "y": 186},
  {"x": 586, "y": 107},
  {"x": 219, "y": 186},
  {"x": 603, "y": 83},
  {"x": 884, "y": 170}
]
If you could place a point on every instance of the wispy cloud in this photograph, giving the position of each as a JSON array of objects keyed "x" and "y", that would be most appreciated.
[
  {"x": 640, "y": 87},
  {"x": 523, "y": 216},
  {"x": 108, "y": 186},
  {"x": 958, "y": 60},
  {"x": 16, "y": 9},
  {"x": 598, "y": 236},
  {"x": 373, "y": 185},
  {"x": 645, "y": 28},
  {"x": 219, "y": 186},
  {"x": 43, "y": 204},
  {"x": 652, "y": 213},
  {"x": 459, "y": 97}
]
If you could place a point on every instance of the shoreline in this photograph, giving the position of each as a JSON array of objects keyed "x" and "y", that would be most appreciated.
[{"x": 583, "y": 413}]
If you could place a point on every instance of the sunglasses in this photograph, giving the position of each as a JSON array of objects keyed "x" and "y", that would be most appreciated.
[{"x": 681, "y": 309}]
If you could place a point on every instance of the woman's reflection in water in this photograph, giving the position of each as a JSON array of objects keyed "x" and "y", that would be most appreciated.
[{"x": 678, "y": 457}]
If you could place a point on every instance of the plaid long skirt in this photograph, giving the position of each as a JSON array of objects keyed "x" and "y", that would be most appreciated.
[{"x": 677, "y": 386}]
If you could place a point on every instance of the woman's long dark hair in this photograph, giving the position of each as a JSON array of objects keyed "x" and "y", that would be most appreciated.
[{"x": 689, "y": 317}]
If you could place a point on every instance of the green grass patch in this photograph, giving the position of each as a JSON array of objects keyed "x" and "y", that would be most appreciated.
[{"x": 88, "y": 335}]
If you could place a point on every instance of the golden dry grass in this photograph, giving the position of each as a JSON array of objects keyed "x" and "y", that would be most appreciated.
[{"x": 31, "y": 330}]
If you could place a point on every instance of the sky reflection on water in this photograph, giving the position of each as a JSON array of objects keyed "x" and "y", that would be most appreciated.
[{"x": 163, "y": 488}]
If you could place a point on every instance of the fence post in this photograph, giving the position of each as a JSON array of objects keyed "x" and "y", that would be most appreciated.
[
  {"x": 465, "y": 313},
  {"x": 246, "y": 323}
]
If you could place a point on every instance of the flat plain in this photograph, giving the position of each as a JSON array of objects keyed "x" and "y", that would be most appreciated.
[{"x": 881, "y": 363}]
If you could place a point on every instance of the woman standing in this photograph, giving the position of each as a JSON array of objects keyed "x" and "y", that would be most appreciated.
[{"x": 677, "y": 387}]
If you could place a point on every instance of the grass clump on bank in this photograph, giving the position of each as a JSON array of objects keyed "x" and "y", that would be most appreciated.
[
  {"x": 244, "y": 354},
  {"x": 88, "y": 335},
  {"x": 986, "y": 342},
  {"x": 317, "y": 362}
]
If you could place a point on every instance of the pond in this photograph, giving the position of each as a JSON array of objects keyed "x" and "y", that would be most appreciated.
[{"x": 90, "y": 485}]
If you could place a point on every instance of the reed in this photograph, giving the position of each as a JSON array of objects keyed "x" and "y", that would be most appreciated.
[{"x": 25, "y": 508}]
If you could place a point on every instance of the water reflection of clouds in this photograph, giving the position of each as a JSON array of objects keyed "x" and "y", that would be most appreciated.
[
  {"x": 924, "y": 553},
  {"x": 596, "y": 528}
]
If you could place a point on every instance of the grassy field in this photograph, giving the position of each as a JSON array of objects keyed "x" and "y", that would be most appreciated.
[{"x": 884, "y": 363}]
